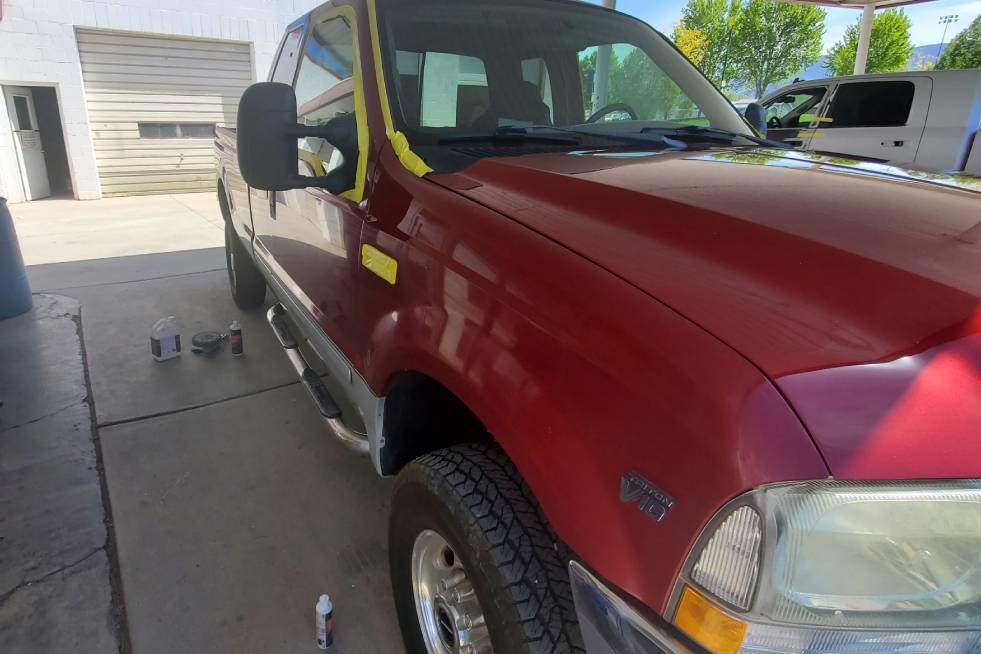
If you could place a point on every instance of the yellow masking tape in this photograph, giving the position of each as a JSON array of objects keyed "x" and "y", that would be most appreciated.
[
  {"x": 379, "y": 263},
  {"x": 412, "y": 162},
  {"x": 409, "y": 159},
  {"x": 360, "y": 109}
]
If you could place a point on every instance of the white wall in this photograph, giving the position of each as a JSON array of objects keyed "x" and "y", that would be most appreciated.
[{"x": 37, "y": 48}]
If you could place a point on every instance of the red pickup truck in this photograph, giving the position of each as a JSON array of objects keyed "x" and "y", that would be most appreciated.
[{"x": 647, "y": 383}]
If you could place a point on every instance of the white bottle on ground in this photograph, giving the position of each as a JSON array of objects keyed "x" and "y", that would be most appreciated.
[
  {"x": 325, "y": 623},
  {"x": 165, "y": 339}
]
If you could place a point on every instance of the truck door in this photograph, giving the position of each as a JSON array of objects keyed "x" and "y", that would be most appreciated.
[
  {"x": 877, "y": 119},
  {"x": 309, "y": 238},
  {"x": 790, "y": 116}
]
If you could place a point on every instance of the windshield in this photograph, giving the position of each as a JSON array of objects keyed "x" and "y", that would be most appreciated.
[{"x": 475, "y": 67}]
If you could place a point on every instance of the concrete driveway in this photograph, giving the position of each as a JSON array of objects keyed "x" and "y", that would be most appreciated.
[{"x": 231, "y": 507}]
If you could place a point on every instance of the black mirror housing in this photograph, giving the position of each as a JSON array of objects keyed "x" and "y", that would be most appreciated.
[
  {"x": 756, "y": 116},
  {"x": 267, "y": 152},
  {"x": 267, "y": 134}
]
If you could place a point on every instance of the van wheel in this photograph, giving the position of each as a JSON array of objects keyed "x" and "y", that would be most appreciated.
[
  {"x": 475, "y": 567},
  {"x": 248, "y": 286}
]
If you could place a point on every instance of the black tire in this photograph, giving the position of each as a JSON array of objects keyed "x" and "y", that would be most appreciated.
[
  {"x": 246, "y": 282},
  {"x": 474, "y": 497}
]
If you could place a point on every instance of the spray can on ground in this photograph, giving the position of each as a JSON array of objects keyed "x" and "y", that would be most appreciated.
[
  {"x": 235, "y": 338},
  {"x": 325, "y": 623},
  {"x": 165, "y": 339}
]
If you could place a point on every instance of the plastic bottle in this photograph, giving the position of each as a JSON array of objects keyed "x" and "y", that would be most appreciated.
[
  {"x": 325, "y": 623},
  {"x": 235, "y": 338},
  {"x": 165, "y": 339}
]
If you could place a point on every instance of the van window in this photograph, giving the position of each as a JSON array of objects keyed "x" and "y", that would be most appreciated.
[
  {"x": 324, "y": 90},
  {"x": 871, "y": 104}
]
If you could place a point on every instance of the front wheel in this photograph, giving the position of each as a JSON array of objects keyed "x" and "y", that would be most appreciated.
[{"x": 475, "y": 567}]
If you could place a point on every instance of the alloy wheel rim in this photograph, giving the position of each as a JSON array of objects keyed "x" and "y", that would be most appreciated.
[{"x": 449, "y": 614}]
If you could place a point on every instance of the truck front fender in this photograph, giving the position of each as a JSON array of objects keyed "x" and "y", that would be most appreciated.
[{"x": 582, "y": 378}]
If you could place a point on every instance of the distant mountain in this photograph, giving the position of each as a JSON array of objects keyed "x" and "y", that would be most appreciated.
[
  {"x": 926, "y": 54},
  {"x": 923, "y": 55}
]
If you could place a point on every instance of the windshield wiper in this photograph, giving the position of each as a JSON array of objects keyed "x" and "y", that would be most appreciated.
[
  {"x": 704, "y": 133},
  {"x": 511, "y": 134}
]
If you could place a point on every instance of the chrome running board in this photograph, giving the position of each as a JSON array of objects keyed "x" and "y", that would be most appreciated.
[{"x": 315, "y": 386}]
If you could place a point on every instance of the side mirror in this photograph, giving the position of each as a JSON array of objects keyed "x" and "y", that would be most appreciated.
[
  {"x": 756, "y": 116},
  {"x": 267, "y": 134}
]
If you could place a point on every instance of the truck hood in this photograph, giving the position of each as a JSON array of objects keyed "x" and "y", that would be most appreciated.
[{"x": 855, "y": 287}]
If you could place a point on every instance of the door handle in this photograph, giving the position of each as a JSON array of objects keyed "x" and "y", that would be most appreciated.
[
  {"x": 893, "y": 144},
  {"x": 272, "y": 204}
]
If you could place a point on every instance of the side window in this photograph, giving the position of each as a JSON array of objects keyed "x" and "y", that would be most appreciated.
[
  {"x": 796, "y": 109},
  {"x": 437, "y": 89},
  {"x": 324, "y": 90},
  {"x": 286, "y": 64},
  {"x": 871, "y": 104},
  {"x": 535, "y": 71},
  {"x": 624, "y": 75}
]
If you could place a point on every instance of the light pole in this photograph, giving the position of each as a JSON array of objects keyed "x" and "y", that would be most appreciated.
[{"x": 945, "y": 21}]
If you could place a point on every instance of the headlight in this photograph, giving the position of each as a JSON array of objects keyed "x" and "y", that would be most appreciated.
[{"x": 839, "y": 567}]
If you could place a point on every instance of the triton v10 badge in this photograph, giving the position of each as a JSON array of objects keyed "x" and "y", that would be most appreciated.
[{"x": 635, "y": 489}]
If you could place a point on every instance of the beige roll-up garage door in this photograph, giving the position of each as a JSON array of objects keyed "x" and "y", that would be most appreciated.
[{"x": 153, "y": 103}]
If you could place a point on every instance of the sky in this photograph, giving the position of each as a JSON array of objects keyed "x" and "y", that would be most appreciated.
[{"x": 665, "y": 14}]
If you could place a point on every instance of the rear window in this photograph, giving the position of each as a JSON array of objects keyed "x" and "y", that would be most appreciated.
[{"x": 872, "y": 104}]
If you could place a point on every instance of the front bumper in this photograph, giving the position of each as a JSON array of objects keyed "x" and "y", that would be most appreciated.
[{"x": 610, "y": 625}]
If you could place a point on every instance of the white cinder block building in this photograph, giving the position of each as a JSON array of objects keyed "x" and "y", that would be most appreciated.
[{"x": 120, "y": 97}]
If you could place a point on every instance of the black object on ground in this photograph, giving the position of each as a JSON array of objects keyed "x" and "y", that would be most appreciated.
[{"x": 207, "y": 342}]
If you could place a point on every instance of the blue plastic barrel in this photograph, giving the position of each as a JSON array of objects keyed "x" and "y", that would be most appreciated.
[{"x": 15, "y": 292}]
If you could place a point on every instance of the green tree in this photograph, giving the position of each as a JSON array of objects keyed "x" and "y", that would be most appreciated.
[
  {"x": 889, "y": 50},
  {"x": 717, "y": 21},
  {"x": 964, "y": 50},
  {"x": 776, "y": 40},
  {"x": 639, "y": 83},
  {"x": 587, "y": 73}
]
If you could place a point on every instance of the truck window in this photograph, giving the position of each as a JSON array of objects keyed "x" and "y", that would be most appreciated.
[
  {"x": 286, "y": 63},
  {"x": 324, "y": 90},
  {"x": 540, "y": 64},
  {"x": 634, "y": 80},
  {"x": 871, "y": 104},
  {"x": 795, "y": 109},
  {"x": 535, "y": 71},
  {"x": 439, "y": 89}
]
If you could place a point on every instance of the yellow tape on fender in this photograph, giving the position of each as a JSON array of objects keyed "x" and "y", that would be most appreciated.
[
  {"x": 412, "y": 162},
  {"x": 380, "y": 263}
]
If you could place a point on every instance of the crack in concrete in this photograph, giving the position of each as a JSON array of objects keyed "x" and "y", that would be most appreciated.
[
  {"x": 135, "y": 281},
  {"x": 161, "y": 414},
  {"x": 24, "y": 583},
  {"x": 51, "y": 414}
]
